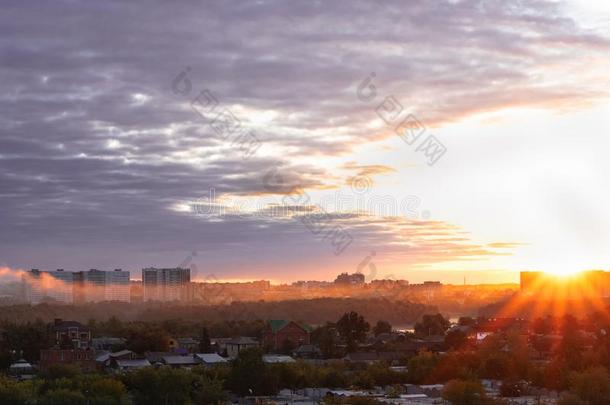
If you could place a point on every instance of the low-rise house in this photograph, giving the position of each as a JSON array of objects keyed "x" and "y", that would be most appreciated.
[
  {"x": 392, "y": 358},
  {"x": 189, "y": 344},
  {"x": 502, "y": 324},
  {"x": 183, "y": 345},
  {"x": 317, "y": 394},
  {"x": 481, "y": 336},
  {"x": 385, "y": 338},
  {"x": 277, "y": 358},
  {"x": 544, "y": 345},
  {"x": 414, "y": 346},
  {"x": 72, "y": 346},
  {"x": 362, "y": 357},
  {"x": 129, "y": 365},
  {"x": 465, "y": 329},
  {"x": 235, "y": 345},
  {"x": 433, "y": 390},
  {"x": 104, "y": 359},
  {"x": 308, "y": 351},
  {"x": 348, "y": 393},
  {"x": 70, "y": 332},
  {"x": 280, "y": 334},
  {"x": 180, "y": 361},
  {"x": 219, "y": 345},
  {"x": 81, "y": 358},
  {"x": 156, "y": 358},
  {"x": 22, "y": 370},
  {"x": 107, "y": 343},
  {"x": 430, "y": 391},
  {"x": 210, "y": 359}
]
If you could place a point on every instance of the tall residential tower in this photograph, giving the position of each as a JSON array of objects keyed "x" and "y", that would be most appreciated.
[{"x": 166, "y": 284}]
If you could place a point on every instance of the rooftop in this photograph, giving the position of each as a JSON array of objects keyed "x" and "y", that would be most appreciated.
[
  {"x": 277, "y": 358},
  {"x": 61, "y": 325},
  {"x": 179, "y": 360},
  {"x": 210, "y": 358},
  {"x": 278, "y": 324},
  {"x": 241, "y": 340},
  {"x": 136, "y": 363}
]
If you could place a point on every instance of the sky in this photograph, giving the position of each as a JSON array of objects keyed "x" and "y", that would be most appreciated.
[{"x": 419, "y": 140}]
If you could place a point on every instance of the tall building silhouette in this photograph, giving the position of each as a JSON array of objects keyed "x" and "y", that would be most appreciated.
[{"x": 172, "y": 284}]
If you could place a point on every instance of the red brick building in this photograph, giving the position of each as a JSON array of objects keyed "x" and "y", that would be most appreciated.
[
  {"x": 72, "y": 346},
  {"x": 70, "y": 333},
  {"x": 82, "y": 358},
  {"x": 280, "y": 334}
]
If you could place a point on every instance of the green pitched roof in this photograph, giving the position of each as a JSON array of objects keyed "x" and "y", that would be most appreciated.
[{"x": 278, "y": 324}]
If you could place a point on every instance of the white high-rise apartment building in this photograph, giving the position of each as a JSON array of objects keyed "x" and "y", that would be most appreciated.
[
  {"x": 117, "y": 286},
  {"x": 53, "y": 286},
  {"x": 76, "y": 287},
  {"x": 166, "y": 284},
  {"x": 99, "y": 285}
]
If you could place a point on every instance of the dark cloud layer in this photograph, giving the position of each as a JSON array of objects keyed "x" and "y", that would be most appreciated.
[{"x": 95, "y": 148}]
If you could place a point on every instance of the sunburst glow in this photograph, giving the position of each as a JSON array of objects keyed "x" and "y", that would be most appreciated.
[{"x": 563, "y": 272}]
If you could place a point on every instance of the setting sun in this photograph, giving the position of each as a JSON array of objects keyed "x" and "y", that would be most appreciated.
[{"x": 563, "y": 272}]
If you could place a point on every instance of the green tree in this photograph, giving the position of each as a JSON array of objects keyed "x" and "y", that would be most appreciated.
[
  {"x": 114, "y": 326},
  {"x": 209, "y": 390},
  {"x": 496, "y": 366},
  {"x": 333, "y": 376},
  {"x": 62, "y": 396},
  {"x": 541, "y": 344},
  {"x": 570, "y": 347},
  {"x": 542, "y": 326},
  {"x": 592, "y": 385},
  {"x": 326, "y": 339},
  {"x": 59, "y": 371},
  {"x": 148, "y": 340},
  {"x": 421, "y": 367},
  {"x": 165, "y": 386},
  {"x": 455, "y": 339},
  {"x": 464, "y": 392},
  {"x": 382, "y": 327},
  {"x": 466, "y": 321},
  {"x": 353, "y": 329},
  {"x": 99, "y": 389},
  {"x": 571, "y": 399},
  {"x": 432, "y": 325},
  {"x": 248, "y": 374},
  {"x": 511, "y": 388},
  {"x": 26, "y": 339},
  {"x": 12, "y": 392},
  {"x": 205, "y": 346}
]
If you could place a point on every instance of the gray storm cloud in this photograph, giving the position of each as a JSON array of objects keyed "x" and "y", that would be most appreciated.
[{"x": 95, "y": 146}]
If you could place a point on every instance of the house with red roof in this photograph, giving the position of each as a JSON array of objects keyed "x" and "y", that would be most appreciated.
[{"x": 283, "y": 334}]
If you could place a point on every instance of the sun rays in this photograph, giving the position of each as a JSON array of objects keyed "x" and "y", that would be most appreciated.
[{"x": 559, "y": 293}]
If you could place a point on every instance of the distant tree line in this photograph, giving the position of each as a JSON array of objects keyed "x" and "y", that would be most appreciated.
[{"x": 314, "y": 311}]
